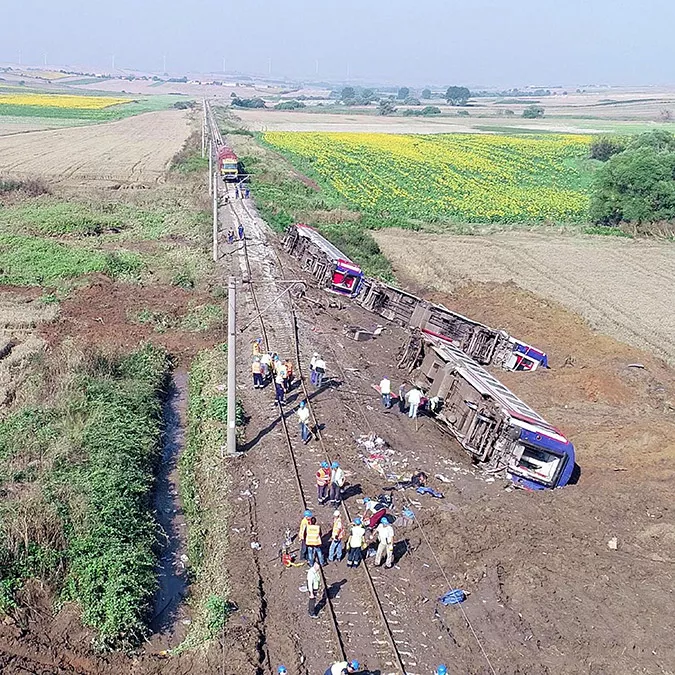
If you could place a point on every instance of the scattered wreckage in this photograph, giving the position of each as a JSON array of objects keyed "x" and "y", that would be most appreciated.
[{"x": 445, "y": 354}]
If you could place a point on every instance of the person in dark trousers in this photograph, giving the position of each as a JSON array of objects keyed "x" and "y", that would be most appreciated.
[
  {"x": 313, "y": 587},
  {"x": 302, "y": 533},
  {"x": 240, "y": 230},
  {"x": 230, "y": 236},
  {"x": 401, "y": 399},
  {"x": 236, "y": 192},
  {"x": 247, "y": 194},
  {"x": 279, "y": 391},
  {"x": 356, "y": 543}
]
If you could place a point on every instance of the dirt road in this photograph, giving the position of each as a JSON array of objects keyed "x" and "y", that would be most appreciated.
[
  {"x": 624, "y": 288},
  {"x": 136, "y": 149}
]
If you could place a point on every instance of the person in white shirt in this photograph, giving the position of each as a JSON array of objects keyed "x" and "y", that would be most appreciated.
[
  {"x": 356, "y": 543},
  {"x": 385, "y": 392},
  {"x": 337, "y": 480},
  {"x": 414, "y": 397},
  {"x": 385, "y": 535},
  {"x": 312, "y": 371},
  {"x": 303, "y": 419},
  {"x": 313, "y": 587},
  {"x": 343, "y": 668},
  {"x": 319, "y": 371}
]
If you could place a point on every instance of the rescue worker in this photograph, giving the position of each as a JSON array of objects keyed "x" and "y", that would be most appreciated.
[
  {"x": 303, "y": 419},
  {"x": 281, "y": 670},
  {"x": 265, "y": 362},
  {"x": 343, "y": 668},
  {"x": 240, "y": 231},
  {"x": 230, "y": 236},
  {"x": 313, "y": 539},
  {"x": 323, "y": 481},
  {"x": 247, "y": 192},
  {"x": 313, "y": 587},
  {"x": 256, "y": 369},
  {"x": 256, "y": 347},
  {"x": 279, "y": 389},
  {"x": 414, "y": 396},
  {"x": 320, "y": 370},
  {"x": 401, "y": 399},
  {"x": 385, "y": 392},
  {"x": 303, "y": 532},
  {"x": 441, "y": 670},
  {"x": 288, "y": 380},
  {"x": 312, "y": 371},
  {"x": 356, "y": 543},
  {"x": 336, "y": 536},
  {"x": 337, "y": 480},
  {"x": 385, "y": 535}
]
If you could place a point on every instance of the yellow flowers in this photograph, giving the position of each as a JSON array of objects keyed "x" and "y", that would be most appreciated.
[
  {"x": 61, "y": 101},
  {"x": 466, "y": 177}
]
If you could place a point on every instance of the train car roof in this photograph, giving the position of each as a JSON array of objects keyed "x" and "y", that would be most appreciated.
[
  {"x": 226, "y": 152},
  {"x": 325, "y": 245},
  {"x": 487, "y": 384}
]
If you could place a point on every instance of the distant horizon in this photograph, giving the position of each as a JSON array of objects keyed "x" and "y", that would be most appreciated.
[{"x": 124, "y": 71}]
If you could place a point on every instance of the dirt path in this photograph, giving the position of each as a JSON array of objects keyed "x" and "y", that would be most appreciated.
[
  {"x": 135, "y": 149},
  {"x": 624, "y": 288}
]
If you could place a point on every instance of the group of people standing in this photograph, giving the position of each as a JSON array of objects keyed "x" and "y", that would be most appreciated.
[
  {"x": 413, "y": 400},
  {"x": 373, "y": 525},
  {"x": 268, "y": 366}
]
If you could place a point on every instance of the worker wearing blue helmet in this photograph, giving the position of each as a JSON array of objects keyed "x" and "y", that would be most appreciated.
[
  {"x": 441, "y": 670},
  {"x": 302, "y": 533},
  {"x": 343, "y": 667},
  {"x": 281, "y": 670}
]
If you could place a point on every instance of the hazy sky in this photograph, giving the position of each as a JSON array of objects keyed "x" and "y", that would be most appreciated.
[{"x": 485, "y": 42}]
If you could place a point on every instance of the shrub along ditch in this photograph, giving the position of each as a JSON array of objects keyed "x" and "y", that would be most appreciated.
[{"x": 97, "y": 452}]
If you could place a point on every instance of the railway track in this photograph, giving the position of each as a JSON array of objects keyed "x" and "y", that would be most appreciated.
[{"x": 356, "y": 611}]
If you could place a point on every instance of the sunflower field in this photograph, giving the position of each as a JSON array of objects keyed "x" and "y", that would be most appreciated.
[
  {"x": 65, "y": 106},
  {"x": 477, "y": 178}
]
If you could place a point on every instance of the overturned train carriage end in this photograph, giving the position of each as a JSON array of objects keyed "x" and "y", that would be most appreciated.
[
  {"x": 326, "y": 263},
  {"x": 491, "y": 422}
]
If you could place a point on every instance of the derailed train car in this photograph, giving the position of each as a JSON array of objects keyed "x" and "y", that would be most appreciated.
[
  {"x": 486, "y": 345},
  {"x": 325, "y": 262},
  {"x": 335, "y": 272},
  {"x": 490, "y": 422}
]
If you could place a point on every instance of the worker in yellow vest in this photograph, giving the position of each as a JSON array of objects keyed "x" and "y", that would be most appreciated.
[
  {"x": 313, "y": 539},
  {"x": 302, "y": 533}
]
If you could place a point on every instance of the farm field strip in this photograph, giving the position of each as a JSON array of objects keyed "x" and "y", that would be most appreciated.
[
  {"x": 137, "y": 148},
  {"x": 622, "y": 287},
  {"x": 459, "y": 177}
]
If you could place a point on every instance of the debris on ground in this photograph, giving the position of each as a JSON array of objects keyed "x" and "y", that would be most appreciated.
[{"x": 613, "y": 544}]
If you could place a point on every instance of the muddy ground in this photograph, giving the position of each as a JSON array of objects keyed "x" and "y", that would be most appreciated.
[{"x": 547, "y": 593}]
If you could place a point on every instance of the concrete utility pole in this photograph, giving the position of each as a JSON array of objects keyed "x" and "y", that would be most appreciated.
[
  {"x": 231, "y": 371},
  {"x": 210, "y": 169}
]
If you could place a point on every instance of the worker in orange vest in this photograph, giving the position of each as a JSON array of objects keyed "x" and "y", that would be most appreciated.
[
  {"x": 336, "y": 537},
  {"x": 303, "y": 532},
  {"x": 313, "y": 539},
  {"x": 323, "y": 480}
]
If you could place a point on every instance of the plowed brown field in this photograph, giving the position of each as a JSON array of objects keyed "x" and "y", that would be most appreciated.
[
  {"x": 622, "y": 287},
  {"x": 136, "y": 149}
]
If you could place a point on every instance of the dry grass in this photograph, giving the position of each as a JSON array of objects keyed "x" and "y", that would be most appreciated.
[{"x": 623, "y": 287}]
